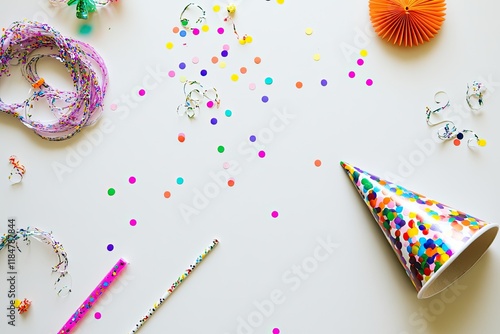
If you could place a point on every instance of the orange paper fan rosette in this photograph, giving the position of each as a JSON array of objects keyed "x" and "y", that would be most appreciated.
[{"x": 407, "y": 22}]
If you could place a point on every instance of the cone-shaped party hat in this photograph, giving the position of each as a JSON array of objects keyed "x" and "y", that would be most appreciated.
[
  {"x": 407, "y": 22},
  {"x": 435, "y": 244}
]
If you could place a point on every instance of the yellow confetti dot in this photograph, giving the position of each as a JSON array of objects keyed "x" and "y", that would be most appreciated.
[
  {"x": 280, "y": 2},
  {"x": 249, "y": 39},
  {"x": 182, "y": 78},
  {"x": 316, "y": 56},
  {"x": 481, "y": 142},
  {"x": 363, "y": 53},
  {"x": 309, "y": 31},
  {"x": 222, "y": 64},
  {"x": 205, "y": 28},
  {"x": 170, "y": 45},
  {"x": 216, "y": 8},
  {"x": 17, "y": 302},
  {"x": 242, "y": 41},
  {"x": 234, "y": 77}
]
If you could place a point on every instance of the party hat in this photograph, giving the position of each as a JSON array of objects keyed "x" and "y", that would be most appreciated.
[{"x": 435, "y": 243}]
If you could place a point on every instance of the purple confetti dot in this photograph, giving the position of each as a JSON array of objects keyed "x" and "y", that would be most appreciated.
[
  {"x": 265, "y": 99},
  {"x": 182, "y": 66},
  {"x": 110, "y": 247},
  {"x": 213, "y": 121},
  {"x": 324, "y": 82},
  {"x": 224, "y": 53},
  {"x": 253, "y": 138},
  {"x": 203, "y": 73}
]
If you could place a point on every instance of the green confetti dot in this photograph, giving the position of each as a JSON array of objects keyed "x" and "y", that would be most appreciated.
[
  {"x": 221, "y": 149},
  {"x": 111, "y": 191},
  {"x": 85, "y": 29}
]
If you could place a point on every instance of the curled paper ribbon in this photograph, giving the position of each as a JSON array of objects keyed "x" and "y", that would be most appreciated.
[
  {"x": 185, "y": 21},
  {"x": 83, "y": 7},
  {"x": 195, "y": 93},
  {"x": 22, "y": 305},
  {"x": 231, "y": 11},
  {"x": 449, "y": 130},
  {"x": 46, "y": 238},
  {"x": 72, "y": 110},
  {"x": 475, "y": 95},
  {"x": 18, "y": 170}
]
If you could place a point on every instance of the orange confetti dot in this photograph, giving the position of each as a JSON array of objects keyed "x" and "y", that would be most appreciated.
[
  {"x": 230, "y": 182},
  {"x": 175, "y": 30},
  {"x": 243, "y": 70},
  {"x": 299, "y": 84},
  {"x": 215, "y": 60},
  {"x": 257, "y": 60},
  {"x": 181, "y": 137},
  {"x": 167, "y": 194},
  {"x": 456, "y": 142},
  {"x": 317, "y": 163}
]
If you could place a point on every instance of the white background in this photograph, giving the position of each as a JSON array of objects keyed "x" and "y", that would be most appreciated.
[{"x": 360, "y": 287}]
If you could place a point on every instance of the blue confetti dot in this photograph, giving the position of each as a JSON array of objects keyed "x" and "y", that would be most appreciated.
[
  {"x": 228, "y": 113},
  {"x": 224, "y": 53},
  {"x": 183, "y": 33},
  {"x": 182, "y": 66},
  {"x": 324, "y": 82},
  {"x": 252, "y": 138},
  {"x": 265, "y": 99},
  {"x": 213, "y": 121},
  {"x": 203, "y": 73}
]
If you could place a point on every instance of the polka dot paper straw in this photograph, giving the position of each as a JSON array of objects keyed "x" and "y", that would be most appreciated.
[
  {"x": 435, "y": 243},
  {"x": 174, "y": 286},
  {"x": 78, "y": 315}
]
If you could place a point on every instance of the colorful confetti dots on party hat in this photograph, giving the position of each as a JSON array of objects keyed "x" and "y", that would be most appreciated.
[{"x": 435, "y": 243}]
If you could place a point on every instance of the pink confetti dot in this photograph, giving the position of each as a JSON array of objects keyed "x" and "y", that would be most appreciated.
[
  {"x": 252, "y": 86},
  {"x": 276, "y": 331},
  {"x": 171, "y": 74},
  {"x": 220, "y": 30},
  {"x": 275, "y": 214},
  {"x": 196, "y": 31},
  {"x": 352, "y": 74},
  {"x": 133, "y": 222},
  {"x": 226, "y": 165},
  {"x": 225, "y": 47},
  {"x": 196, "y": 60},
  {"x": 210, "y": 104},
  {"x": 113, "y": 107},
  {"x": 262, "y": 154},
  {"x": 132, "y": 179},
  {"x": 360, "y": 62},
  {"x": 142, "y": 92},
  {"x": 369, "y": 82},
  {"x": 97, "y": 315}
]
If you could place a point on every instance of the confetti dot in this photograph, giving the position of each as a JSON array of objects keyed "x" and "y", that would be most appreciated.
[
  {"x": 215, "y": 60},
  {"x": 276, "y": 331},
  {"x": 352, "y": 74},
  {"x": 243, "y": 70},
  {"x": 113, "y": 107},
  {"x": 324, "y": 82},
  {"x": 132, "y": 180},
  {"x": 167, "y": 194},
  {"x": 222, "y": 64},
  {"x": 309, "y": 31},
  {"x": 228, "y": 113},
  {"x": 456, "y": 142},
  {"x": 265, "y": 99},
  {"x": 249, "y": 39},
  {"x": 221, "y": 149},
  {"x": 142, "y": 92},
  {"x": 183, "y": 33},
  {"x": 97, "y": 315},
  {"x": 363, "y": 53},
  {"x": 274, "y": 214},
  {"x": 225, "y": 47},
  {"x": 243, "y": 41},
  {"x": 224, "y": 53},
  {"x": 317, "y": 163},
  {"x": 210, "y": 104},
  {"x": 234, "y": 77},
  {"x": 195, "y": 60},
  {"x": 257, "y": 60},
  {"x": 111, "y": 191},
  {"x": 299, "y": 84},
  {"x": 369, "y": 82},
  {"x": 220, "y": 30},
  {"x": 205, "y": 28},
  {"x": 85, "y": 29},
  {"x": 360, "y": 62},
  {"x": 316, "y": 56},
  {"x": 262, "y": 154},
  {"x": 481, "y": 142},
  {"x": 203, "y": 73},
  {"x": 196, "y": 31},
  {"x": 226, "y": 165},
  {"x": 182, "y": 78},
  {"x": 133, "y": 222},
  {"x": 179, "y": 180},
  {"x": 216, "y": 8},
  {"x": 175, "y": 30},
  {"x": 252, "y": 86},
  {"x": 170, "y": 45},
  {"x": 460, "y": 136},
  {"x": 110, "y": 247},
  {"x": 171, "y": 74},
  {"x": 230, "y": 182},
  {"x": 253, "y": 138},
  {"x": 213, "y": 121},
  {"x": 182, "y": 66},
  {"x": 280, "y": 2},
  {"x": 268, "y": 81}
]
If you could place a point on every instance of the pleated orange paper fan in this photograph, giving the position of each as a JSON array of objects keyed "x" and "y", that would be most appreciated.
[{"x": 407, "y": 22}]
